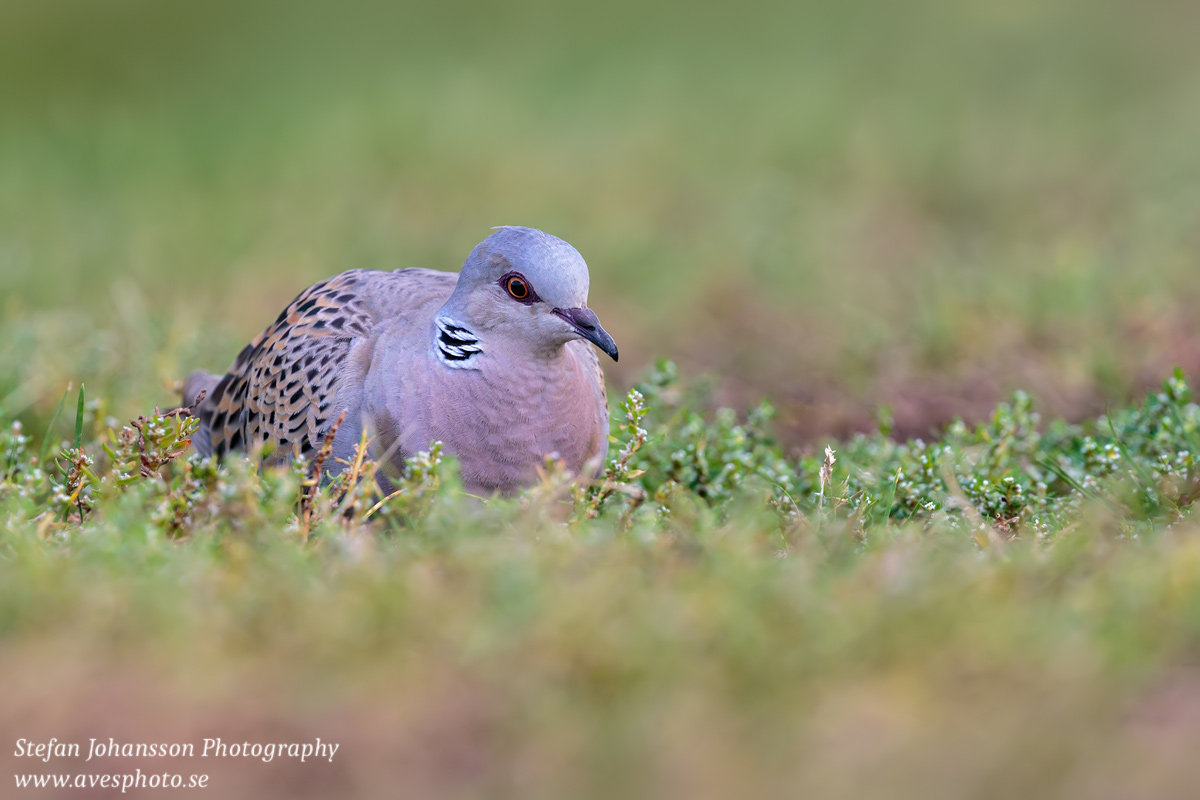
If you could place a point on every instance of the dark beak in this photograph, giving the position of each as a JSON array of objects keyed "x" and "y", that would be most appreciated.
[{"x": 587, "y": 324}]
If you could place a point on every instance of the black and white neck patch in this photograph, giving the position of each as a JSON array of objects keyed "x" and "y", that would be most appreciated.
[{"x": 457, "y": 347}]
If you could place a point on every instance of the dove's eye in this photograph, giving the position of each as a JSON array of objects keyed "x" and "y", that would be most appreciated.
[{"x": 518, "y": 289}]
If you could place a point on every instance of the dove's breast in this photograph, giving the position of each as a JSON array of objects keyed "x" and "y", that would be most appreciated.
[{"x": 499, "y": 420}]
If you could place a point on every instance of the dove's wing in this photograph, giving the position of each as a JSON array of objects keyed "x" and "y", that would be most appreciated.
[{"x": 286, "y": 388}]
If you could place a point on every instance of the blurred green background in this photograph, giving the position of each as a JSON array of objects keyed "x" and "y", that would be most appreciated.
[{"x": 837, "y": 205}]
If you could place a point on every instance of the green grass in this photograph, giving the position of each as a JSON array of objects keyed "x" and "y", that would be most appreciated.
[
  {"x": 866, "y": 212},
  {"x": 1014, "y": 609}
]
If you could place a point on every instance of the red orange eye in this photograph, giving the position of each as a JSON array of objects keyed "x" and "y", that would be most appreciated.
[{"x": 517, "y": 287}]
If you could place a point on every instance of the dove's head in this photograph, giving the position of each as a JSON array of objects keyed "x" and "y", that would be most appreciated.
[{"x": 529, "y": 287}]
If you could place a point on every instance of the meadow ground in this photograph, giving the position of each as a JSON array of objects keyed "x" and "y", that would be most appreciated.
[{"x": 836, "y": 206}]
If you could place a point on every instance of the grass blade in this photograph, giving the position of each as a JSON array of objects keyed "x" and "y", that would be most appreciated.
[
  {"x": 79, "y": 420},
  {"x": 79, "y": 446},
  {"x": 50, "y": 429},
  {"x": 1090, "y": 494}
]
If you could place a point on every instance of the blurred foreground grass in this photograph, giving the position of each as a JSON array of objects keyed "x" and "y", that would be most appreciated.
[{"x": 1013, "y": 610}]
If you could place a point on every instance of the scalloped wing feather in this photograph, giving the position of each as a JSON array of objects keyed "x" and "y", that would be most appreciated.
[{"x": 282, "y": 386}]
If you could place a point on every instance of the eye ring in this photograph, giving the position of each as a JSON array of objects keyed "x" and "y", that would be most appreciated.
[{"x": 518, "y": 288}]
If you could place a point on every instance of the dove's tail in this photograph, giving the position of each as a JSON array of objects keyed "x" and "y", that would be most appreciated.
[{"x": 200, "y": 381}]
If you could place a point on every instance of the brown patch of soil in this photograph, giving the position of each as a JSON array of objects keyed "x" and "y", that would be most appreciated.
[{"x": 816, "y": 400}]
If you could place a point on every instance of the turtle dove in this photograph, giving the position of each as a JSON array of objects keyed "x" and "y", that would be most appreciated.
[{"x": 495, "y": 362}]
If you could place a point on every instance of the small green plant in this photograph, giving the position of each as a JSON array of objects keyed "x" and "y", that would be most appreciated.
[
  {"x": 415, "y": 492},
  {"x": 619, "y": 476},
  {"x": 148, "y": 444},
  {"x": 1011, "y": 475}
]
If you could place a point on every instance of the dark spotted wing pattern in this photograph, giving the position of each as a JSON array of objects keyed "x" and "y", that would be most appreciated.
[{"x": 281, "y": 387}]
